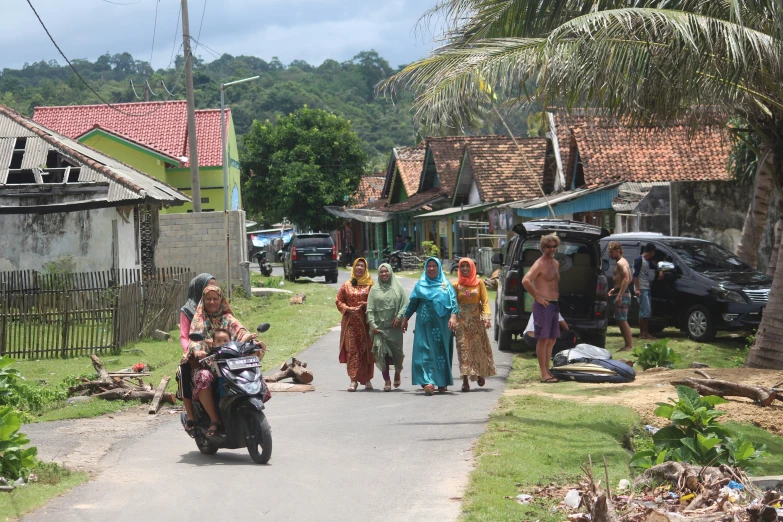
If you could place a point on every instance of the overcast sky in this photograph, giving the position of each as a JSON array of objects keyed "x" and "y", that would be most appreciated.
[{"x": 311, "y": 30}]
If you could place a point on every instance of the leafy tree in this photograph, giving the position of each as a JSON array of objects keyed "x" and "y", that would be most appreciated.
[
  {"x": 649, "y": 61},
  {"x": 299, "y": 164}
]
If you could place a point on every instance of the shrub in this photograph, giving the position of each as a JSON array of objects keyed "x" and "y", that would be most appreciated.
[
  {"x": 430, "y": 249},
  {"x": 15, "y": 459},
  {"x": 695, "y": 436},
  {"x": 656, "y": 354}
]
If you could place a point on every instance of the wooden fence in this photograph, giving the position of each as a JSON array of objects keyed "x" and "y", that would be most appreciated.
[{"x": 51, "y": 315}]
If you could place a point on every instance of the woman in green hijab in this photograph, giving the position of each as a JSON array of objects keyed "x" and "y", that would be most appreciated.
[{"x": 385, "y": 308}]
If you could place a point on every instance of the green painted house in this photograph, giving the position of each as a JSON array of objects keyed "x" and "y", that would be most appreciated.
[{"x": 153, "y": 138}]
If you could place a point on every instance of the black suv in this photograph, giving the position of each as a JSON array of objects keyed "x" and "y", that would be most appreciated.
[
  {"x": 705, "y": 288},
  {"x": 583, "y": 285},
  {"x": 310, "y": 255}
]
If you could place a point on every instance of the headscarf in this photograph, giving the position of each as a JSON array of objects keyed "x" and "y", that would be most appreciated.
[
  {"x": 437, "y": 290},
  {"x": 204, "y": 322},
  {"x": 387, "y": 295},
  {"x": 471, "y": 280},
  {"x": 196, "y": 288},
  {"x": 365, "y": 280}
]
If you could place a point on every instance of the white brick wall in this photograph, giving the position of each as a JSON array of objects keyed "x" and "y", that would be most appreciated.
[{"x": 198, "y": 241}]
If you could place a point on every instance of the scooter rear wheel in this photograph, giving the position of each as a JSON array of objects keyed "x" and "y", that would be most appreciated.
[
  {"x": 259, "y": 428},
  {"x": 204, "y": 446}
]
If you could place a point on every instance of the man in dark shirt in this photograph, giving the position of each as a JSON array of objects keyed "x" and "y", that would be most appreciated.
[
  {"x": 399, "y": 244},
  {"x": 644, "y": 270},
  {"x": 410, "y": 246}
]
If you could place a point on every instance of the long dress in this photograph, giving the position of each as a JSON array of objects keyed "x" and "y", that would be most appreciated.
[
  {"x": 386, "y": 302},
  {"x": 355, "y": 342},
  {"x": 473, "y": 348},
  {"x": 433, "y": 347}
]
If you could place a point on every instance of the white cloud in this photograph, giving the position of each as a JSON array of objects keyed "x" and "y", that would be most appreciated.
[{"x": 311, "y": 30}]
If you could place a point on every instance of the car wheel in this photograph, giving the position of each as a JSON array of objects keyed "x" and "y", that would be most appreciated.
[
  {"x": 699, "y": 324},
  {"x": 504, "y": 340}
]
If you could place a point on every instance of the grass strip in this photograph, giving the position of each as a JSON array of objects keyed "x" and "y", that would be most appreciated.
[{"x": 53, "y": 480}]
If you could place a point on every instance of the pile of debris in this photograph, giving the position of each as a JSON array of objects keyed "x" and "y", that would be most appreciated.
[
  {"x": 674, "y": 491},
  {"x": 296, "y": 370},
  {"x": 125, "y": 385}
]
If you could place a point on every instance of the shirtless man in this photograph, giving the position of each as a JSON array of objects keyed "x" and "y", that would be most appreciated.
[
  {"x": 541, "y": 282},
  {"x": 622, "y": 281}
]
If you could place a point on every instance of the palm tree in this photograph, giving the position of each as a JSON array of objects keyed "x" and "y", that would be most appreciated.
[{"x": 645, "y": 61}]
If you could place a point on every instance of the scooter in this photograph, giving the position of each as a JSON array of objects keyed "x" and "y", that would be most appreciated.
[
  {"x": 394, "y": 258},
  {"x": 263, "y": 263},
  {"x": 240, "y": 393},
  {"x": 455, "y": 263}
]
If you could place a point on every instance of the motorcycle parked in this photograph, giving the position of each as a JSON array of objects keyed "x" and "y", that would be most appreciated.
[
  {"x": 455, "y": 263},
  {"x": 394, "y": 258},
  {"x": 263, "y": 263},
  {"x": 240, "y": 393}
]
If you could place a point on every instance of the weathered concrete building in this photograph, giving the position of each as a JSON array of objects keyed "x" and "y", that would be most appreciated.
[{"x": 62, "y": 202}]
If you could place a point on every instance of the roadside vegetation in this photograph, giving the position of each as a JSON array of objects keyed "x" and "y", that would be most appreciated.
[{"x": 539, "y": 435}]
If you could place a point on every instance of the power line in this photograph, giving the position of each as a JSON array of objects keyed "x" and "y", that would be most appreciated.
[
  {"x": 174, "y": 43},
  {"x": 154, "y": 30},
  {"x": 201, "y": 24},
  {"x": 213, "y": 52},
  {"x": 122, "y": 3},
  {"x": 111, "y": 106}
]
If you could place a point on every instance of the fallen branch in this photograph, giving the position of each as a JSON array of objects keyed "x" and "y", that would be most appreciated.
[
  {"x": 760, "y": 395},
  {"x": 155, "y": 406},
  {"x": 132, "y": 395},
  {"x": 295, "y": 369}
]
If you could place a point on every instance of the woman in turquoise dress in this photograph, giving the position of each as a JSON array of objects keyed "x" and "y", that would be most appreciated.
[{"x": 435, "y": 302}]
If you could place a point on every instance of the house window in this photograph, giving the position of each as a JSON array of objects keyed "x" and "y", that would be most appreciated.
[{"x": 205, "y": 200}]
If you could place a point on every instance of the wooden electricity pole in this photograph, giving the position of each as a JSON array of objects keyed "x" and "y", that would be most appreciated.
[{"x": 195, "y": 182}]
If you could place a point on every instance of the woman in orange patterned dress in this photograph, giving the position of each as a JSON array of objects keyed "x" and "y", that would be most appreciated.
[
  {"x": 473, "y": 348},
  {"x": 355, "y": 339}
]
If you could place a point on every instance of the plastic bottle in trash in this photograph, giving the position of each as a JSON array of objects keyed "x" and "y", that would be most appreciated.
[{"x": 572, "y": 499}]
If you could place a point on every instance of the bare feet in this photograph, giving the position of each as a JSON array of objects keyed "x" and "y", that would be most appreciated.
[
  {"x": 625, "y": 349},
  {"x": 429, "y": 389},
  {"x": 481, "y": 381}
]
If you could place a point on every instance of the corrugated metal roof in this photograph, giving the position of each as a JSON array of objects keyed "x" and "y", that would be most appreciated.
[
  {"x": 568, "y": 202},
  {"x": 6, "y": 146},
  {"x": 126, "y": 183},
  {"x": 35, "y": 152},
  {"x": 631, "y": 193}
]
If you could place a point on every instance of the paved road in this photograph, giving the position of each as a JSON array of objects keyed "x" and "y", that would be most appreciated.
[{"x": 337, "y": 455}]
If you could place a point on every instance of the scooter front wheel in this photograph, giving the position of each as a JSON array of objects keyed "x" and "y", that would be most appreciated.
[
  {"x": 260, "y": 442},
  {"x": 204, "y": 446}
]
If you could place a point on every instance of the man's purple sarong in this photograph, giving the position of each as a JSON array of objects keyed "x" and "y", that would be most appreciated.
[{"x": 546, "y": 321}]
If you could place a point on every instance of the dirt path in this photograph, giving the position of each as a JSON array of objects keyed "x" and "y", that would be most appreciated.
[{"x": 654, "y": 386}]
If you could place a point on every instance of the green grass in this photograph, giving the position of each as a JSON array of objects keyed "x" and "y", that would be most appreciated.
[
  {"x": 53, "y": 481},
  {"x": 294, "y": 327},
  {"x": 534, "y": 440}
]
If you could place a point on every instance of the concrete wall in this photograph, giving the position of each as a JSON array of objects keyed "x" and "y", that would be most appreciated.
[
  {"x": 198, "y": 241},
  {"x": 712, "y": 210},
  {"x": 31, "y": 241}
]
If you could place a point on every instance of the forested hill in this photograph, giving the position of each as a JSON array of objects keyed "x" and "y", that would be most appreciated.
[{"x": 344, "y": 88}]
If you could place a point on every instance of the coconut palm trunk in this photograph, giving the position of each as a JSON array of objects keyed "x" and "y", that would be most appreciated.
[{"x": 756, "y": 218}]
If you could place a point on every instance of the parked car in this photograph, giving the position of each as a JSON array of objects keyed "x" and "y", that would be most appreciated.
[
  {"x": 310, "y": 255},
  {"x": 705, "y": 287},
  {"x": 583, "y": 286}
]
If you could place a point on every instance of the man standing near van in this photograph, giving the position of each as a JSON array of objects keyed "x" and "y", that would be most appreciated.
[
  {"x": 622, "y": 282},
  {"x": 542, "y": 283},
  {"x": 644, "y": 269}
]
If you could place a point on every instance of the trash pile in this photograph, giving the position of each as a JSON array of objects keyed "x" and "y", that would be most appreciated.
[{"x": 669, "y": 492}]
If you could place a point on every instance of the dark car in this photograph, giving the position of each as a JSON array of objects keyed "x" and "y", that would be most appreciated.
[
  {"x": 705, "y": 287},
  {"x": 583, "y": 286},
  {"x": 310, "y": 255}
]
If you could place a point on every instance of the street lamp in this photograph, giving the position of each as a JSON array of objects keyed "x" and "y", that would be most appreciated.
[{"x": 225, "y": 174}]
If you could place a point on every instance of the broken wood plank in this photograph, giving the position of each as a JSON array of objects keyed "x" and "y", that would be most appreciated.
[
  {"x": 100, "y": 368},
  {"x": 155, "y": 406},
  {"x": 129, "y": 374},
  {"x": 130, "y": 395},
  {"x": 289, "y": 387}
]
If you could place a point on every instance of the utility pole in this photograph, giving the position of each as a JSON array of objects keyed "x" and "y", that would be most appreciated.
[{"x": 195, "y": 182}]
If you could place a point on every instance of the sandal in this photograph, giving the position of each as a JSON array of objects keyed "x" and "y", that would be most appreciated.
[
  {"x": 190, "y": 425},
  {"x": 214, "y": 428},
  {"x": 481, "y": 381},
  {"x": 368, "y": 386},
  {"x": 466, "y": 387},
  {"x": 387, "y": 386},
  {"x": 550, "y": 380},
  {"x": 429, "y": 389},
  {"x": 353, "y": 386},
  {"x": 442, "y": 389},
  {"x": 397, "y": 381}
]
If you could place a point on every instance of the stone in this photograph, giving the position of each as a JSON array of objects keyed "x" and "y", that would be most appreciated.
[
  {"x": 261, "y": 292},
  {"x": 695, "y": 364},
  {"x": 79, "y": 399},
  {"x": 160, "y": 335}
]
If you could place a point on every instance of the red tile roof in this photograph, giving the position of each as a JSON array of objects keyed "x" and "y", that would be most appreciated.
[
  {"x": 415, "y": 202},
  {"x": 369, "y": 191},
  {"x": 503, "y": 172},
  {"x": 161, "y": 126},
  {"x": 410, "y": 162},
  {"x": 610, "y": 152}
]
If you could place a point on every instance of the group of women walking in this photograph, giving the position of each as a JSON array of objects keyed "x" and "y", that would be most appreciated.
[{"x": 375, "y": 317}]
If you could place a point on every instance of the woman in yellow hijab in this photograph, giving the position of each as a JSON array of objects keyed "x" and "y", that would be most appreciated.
[{"x": 355, "y": 340}]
